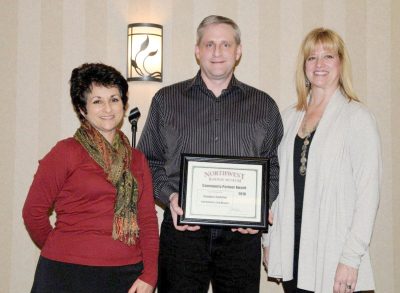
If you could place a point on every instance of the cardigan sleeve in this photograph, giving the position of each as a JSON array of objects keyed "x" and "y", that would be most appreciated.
[
  {"x": 47, "y": 183},
  {"x": 265, "y": 240},
  {"x": 148, "y": 224},
  {"x": 366, "y": 162}
]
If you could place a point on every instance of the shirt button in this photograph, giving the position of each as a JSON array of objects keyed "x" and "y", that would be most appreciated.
[{"x": 216, "y": 138}]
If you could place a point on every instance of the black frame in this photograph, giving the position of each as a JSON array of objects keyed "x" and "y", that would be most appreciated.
[{"x": 263, "y": 162}]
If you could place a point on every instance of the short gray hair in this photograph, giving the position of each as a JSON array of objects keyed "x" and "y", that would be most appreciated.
[{"x": 217, "y": 19}]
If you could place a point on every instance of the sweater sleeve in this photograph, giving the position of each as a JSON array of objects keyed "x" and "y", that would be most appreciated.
[
  {"x": 266, "y": 236},
  {"x": 152, "y": 144},
  {"x": 148, "y": 224},
  {"x": 366, "y": 162},
  {"x": 47, "y": 183}
]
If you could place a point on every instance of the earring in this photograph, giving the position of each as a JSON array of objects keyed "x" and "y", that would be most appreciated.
[{"x": 308, "y": 83}]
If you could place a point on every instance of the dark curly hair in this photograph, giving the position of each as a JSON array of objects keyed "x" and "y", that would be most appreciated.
[{"x": 83, "y": 78}]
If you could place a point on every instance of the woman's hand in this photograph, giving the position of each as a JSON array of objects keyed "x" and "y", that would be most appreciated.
[
  {"x": 253, "y": 231},
  {"x": 345, "y": 279},
  {"x": 141, "y": 287},
  {"x": 270, "y": 217},
  {"x": 266, "y": 257}
]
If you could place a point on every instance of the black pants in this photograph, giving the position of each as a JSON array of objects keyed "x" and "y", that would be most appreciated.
[
  {"x": 189, "y": 261},
  {"x": 291, "y": 287},
  {"x": 59, "y": 277}
]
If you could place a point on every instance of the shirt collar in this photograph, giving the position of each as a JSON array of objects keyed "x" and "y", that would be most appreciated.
[{"x": 197, "y": 81}]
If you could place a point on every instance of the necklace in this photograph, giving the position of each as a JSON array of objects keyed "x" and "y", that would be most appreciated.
[{"x": 304, "y": 149}]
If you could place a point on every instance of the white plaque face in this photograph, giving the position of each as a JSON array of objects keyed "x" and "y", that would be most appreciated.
[{"x": 224, "y": 191}]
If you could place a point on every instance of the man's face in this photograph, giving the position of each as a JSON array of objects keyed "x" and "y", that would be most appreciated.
[{"x": 218, "y": 52}]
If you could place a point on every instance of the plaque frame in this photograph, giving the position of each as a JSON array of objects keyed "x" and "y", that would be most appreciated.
[{"x": 236, "y": 197}]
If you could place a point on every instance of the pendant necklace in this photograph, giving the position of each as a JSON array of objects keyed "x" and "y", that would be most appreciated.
[{"x": 304, "y": 148}]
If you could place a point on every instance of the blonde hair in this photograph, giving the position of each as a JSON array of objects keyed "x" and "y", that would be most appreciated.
[{"x": 331, "y": 41}]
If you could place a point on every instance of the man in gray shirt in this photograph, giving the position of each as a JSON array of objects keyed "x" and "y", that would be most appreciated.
[{"x": 210, "y": 114}]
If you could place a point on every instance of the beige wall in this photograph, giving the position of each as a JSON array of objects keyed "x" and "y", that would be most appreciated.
[
  {"x": 42, "y": 41},
  {"x": 394, "y": 157}
]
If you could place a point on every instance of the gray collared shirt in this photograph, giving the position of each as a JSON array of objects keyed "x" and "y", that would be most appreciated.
[{"x": 187, "y": 117}]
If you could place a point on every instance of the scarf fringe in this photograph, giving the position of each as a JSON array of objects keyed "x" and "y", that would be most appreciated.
[{"x": 125, "y": 229}]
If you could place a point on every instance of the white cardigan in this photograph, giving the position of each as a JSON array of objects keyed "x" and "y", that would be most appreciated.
[{"x": 341, "y": 197}]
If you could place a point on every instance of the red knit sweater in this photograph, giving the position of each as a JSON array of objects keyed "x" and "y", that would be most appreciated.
[{"x": 72, "y": 183}]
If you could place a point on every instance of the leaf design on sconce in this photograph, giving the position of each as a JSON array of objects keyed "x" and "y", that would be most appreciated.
[
  {"x": 144, "y": 45},
  {"x": 137, "y": 69},
  {"x": 145, "y": 73},
  {"x": 156, "y": 74},
  {"x": 134, "y": 64},
  {"x": 144, "y": 60},
  {"x": 152, "y": 53}
]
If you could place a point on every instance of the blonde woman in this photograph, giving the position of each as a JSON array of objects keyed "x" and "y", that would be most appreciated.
[{"x": 330, "y": 174}]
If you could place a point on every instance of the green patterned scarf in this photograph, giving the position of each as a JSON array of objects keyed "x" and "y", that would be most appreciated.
[{"x": 115, "y": 159}]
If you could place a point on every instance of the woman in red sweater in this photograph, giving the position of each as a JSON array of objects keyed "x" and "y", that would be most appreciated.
[{"x": 105, "y": 238}]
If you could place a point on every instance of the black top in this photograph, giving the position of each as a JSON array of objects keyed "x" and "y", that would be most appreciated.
[
  {"x": 187, "y": 117},
  {"x": 299, "y": 182}
]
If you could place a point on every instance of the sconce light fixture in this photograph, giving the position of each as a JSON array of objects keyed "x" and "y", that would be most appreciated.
[{"x": 145, "y": 52}]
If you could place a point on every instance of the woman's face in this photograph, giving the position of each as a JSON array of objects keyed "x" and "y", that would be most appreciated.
[
  {"x": 104, "y": 110},
  {"x": 322, "y": 68}
]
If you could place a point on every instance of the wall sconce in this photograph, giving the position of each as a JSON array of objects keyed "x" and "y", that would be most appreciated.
[{"x": 145, "y": 51}]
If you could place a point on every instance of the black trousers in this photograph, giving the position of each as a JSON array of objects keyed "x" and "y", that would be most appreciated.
[
  {"x": 189, "y": 261},
  {"x": 59, "y": 277},
  {"x": 291, "y": 287}
]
